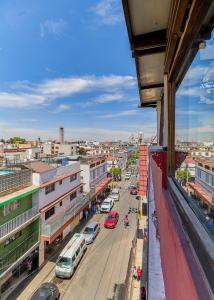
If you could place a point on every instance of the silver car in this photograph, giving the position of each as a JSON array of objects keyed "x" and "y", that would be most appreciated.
[{"x": 90, "y": 232}]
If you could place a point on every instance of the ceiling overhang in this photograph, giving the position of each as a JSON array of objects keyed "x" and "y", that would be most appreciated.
[{"x": 147, "y": 29}]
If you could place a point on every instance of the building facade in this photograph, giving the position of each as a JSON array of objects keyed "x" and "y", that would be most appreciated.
[{"x": 19, "y": 227}]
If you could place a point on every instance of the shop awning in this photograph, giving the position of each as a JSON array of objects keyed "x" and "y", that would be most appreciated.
[
  {"x": 102, "y": 185},
  {"x": 202, "y": 193}
]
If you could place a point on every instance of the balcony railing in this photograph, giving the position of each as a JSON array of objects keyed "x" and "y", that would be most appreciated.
[
  {"x": 15, "y": 181},
  {"x": 11, "y": 225},
  {"x": 8, "y": 260},
  {"x": 59, "y": 220}
]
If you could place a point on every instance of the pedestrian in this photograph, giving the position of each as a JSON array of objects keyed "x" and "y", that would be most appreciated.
[
  {"x": 143, "y": 293},
  {"x": 134, "y": 272},
  {"x": 29, "y": 266},
  {"x": 139, "y": 273},
  {"x": 86, "y": 214}
]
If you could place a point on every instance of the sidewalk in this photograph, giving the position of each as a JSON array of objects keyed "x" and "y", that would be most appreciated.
[{"x": 140, "y": 260}]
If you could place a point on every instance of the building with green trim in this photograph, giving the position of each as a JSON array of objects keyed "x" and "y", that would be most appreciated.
[{"x": 19, "y": 227}]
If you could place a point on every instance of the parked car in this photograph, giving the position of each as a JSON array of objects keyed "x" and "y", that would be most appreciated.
[
  {"x": 115, "y": 195},
  {"x": 91, "y": 231},
  {"x": 127, "y": 176},
  {"x": 47, "y": 291},
  {"x": 111, "y": 220},
  {"x": 134, "y": 191},
  {"x": 107, "y": 205}
]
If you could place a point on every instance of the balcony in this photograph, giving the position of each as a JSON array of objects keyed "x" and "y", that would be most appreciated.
[
  {"x": 8, "y": 260},
  {"x": 58, "y": 220},
  {"x": 15, "y": 181},
  {"x": 17, "y": 222}
]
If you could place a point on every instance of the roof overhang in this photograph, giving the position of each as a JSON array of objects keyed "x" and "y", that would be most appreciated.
[{"x": 147, "y": 29}]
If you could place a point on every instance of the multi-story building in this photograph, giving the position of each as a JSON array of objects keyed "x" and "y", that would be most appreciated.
[
  {"x": 19, "y": 227},
  {"x": 60, "y": 199},
  {"x": 94, "y": 174},
  {"x": 19, "y": 155},
  {"x": 58, "y": 149},
  {"x": 204, "y": 181}
]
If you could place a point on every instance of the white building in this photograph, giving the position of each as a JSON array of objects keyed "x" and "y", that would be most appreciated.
[
  {"x": 94, "y": 172},
  {"x": 59, "y": 149},
  {"x": 61, "y": 201}
]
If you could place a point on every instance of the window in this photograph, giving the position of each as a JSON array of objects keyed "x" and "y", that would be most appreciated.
[
  {"x": 11, "y": 207},
  {"x": 194, "y": 107},
  {"x": 73, "y": 177},
  {"x": 73, "y": 195},
  {"x": 49, "y": 188},
  {"x": 78, "y": 251},
  {"x": 73, "y": 259},
  {"x": 60, "y": 182},
  {"x": 82, "y": 244},
  {"x": 50, "y": 212},
  {"x": 60, "y": 203}
]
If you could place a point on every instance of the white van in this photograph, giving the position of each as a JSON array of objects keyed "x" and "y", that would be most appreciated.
[
  {"x": 107, "y": 205},
  {"x": 70, "y": 256},
  {"x": 115, "y": 195}
]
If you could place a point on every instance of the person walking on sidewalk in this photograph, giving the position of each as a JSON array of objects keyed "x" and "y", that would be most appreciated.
[
  {"x": 139, "y": 273},
  {"x": 134, "y": 272}
]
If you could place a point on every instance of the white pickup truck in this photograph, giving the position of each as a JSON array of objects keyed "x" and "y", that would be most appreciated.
[{"x": 115, "y": 195}]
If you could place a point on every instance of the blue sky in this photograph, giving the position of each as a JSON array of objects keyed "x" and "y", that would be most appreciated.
[{"x": 68, "y": 63}]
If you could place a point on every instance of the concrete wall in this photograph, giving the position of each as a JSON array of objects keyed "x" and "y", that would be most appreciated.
[{"x": 183, "y": 276}]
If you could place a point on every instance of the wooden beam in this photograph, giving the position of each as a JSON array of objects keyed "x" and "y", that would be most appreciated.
[
  {"x": 152, "y": 86},
  {"x": 193, "y": 26},
  {"x": 149, "y": 40},
  {"x": 150, "y": 51}
]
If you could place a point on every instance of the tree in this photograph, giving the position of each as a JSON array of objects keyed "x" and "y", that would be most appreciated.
[
  {"x": 82, "y": 151},
  {"x": 116, "y": 171},
  {"x": 183, "y": 175},
  {"x": 17, "y": 139},
  {"x": 134, "y": 156}
]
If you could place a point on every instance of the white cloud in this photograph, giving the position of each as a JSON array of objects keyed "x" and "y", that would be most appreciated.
[
  {"x": 119, "y": 114},
  {"x": 61, "y": 108},
  {"x": 26, "y": 94},
  {"x": 108, "y": 12},
  {"x": 54, "y": 27}
]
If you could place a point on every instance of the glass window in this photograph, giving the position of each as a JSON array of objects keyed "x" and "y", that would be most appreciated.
[
  {"x": 73, "y": 195},
  {"x": 194, "y": 123},
  {"x": 73, "y": 177},
  {"x": 49, "y": 188},
  {"x": 49, "y": 212}
]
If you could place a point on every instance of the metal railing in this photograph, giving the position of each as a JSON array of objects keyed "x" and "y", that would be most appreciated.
[
  {"x": 19, "y": 220},
  {"x": 15, "y": 181},
  {"x": 60, "y": 219},
  {"x": 7, "y": 260}
]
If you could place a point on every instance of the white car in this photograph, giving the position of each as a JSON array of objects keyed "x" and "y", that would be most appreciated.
[
  {"x": 127, "y": 176},
  {"x": 107, "y": 205},
  {"x": 115, "y": 195}
]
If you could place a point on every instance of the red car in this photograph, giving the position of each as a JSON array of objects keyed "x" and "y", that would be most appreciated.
[
  {"x": 111, "y": 220},
  {"x": 134, "y": 191}
]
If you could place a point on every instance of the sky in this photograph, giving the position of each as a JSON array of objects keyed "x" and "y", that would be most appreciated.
[
  {"x": 68, "y": 63},
  {"x": 195, "y": 98}
]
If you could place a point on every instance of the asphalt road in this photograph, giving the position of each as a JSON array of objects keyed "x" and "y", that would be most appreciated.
[{"x": 106, "y": 260}]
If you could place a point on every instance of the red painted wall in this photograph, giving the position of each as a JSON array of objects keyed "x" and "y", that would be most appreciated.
[
  {"x": 143, "y": 173},
  {"x": 179, "y": 278}
]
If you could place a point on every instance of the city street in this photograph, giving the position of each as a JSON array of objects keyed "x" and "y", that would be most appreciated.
[{"x": 106, "y": 260}]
